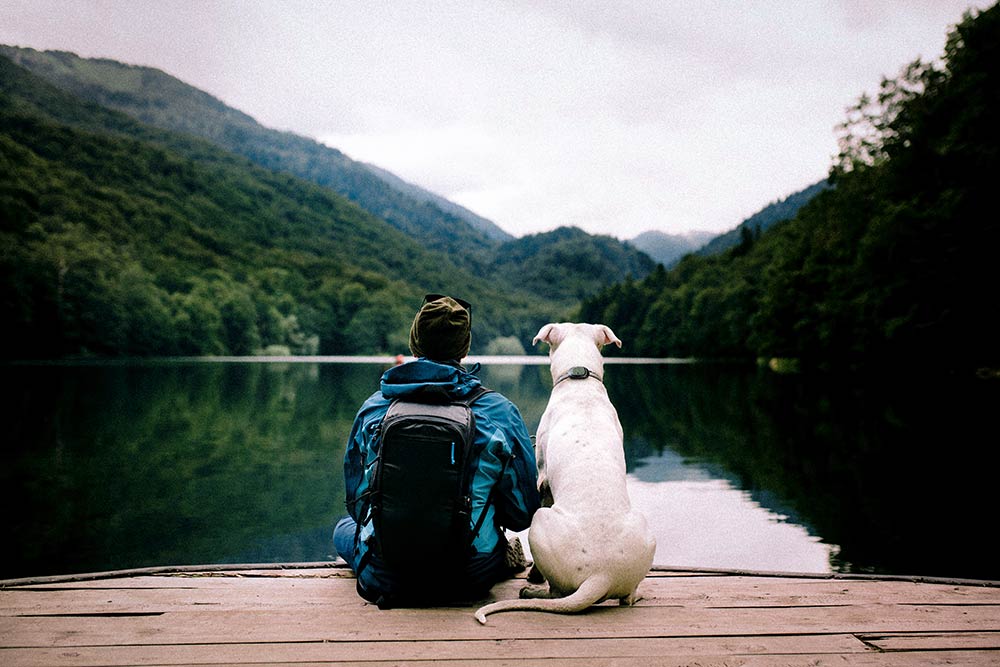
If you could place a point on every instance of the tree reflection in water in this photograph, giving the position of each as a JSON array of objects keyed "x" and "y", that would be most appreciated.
[{"x": 131, "y": 465}]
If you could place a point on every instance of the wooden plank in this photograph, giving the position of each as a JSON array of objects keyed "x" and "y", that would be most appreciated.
[
  {"x": 865, "y": 660},
  {"x": 741, "y": 591},
  {"x": 871, "y": 659},
  {"x": 659, "y": 570},
  {"x": 248, "y": 595},
  {"x": 314, "y": 616},
  {"x": 167, "y": 593},
  {"x": 505, "y": 649},
  {"x": 182, "y": 579},
  {"x": 804, "y": 585},
  {"x": 365, "y": 622},
  {"x": 125, "y": 576},
  {"x": 653, "y": 586},
  {"x": 933, "y": 640}
]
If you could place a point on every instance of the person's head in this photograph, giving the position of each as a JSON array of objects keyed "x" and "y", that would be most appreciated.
[{"x": 442, "y": 329}]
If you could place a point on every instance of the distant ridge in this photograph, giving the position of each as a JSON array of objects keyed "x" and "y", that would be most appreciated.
[
  {"x": 764, "y": 219},
  {"x": 418, "y": 193},
  {"x": 667, "y": 249}
]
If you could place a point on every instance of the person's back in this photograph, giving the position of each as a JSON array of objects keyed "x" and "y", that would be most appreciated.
[{"x": 501, "y": 456}]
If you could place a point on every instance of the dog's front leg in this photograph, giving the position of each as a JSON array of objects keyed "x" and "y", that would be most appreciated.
[
  {"x": 630, "y": 599},
  {"x": 545, "y": 491},
  {"x": 535, "y": 575}
]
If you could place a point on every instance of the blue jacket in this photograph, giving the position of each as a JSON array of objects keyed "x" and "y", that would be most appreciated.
[{"x": 500, "y": 433}]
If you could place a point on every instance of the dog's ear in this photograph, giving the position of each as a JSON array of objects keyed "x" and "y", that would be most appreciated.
[
  {"x": 606, "y": 336},
  {"x": 550, "y": 334}
]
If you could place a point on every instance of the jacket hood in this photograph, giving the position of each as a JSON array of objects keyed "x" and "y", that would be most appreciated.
[{"x": 424, "y": 379}]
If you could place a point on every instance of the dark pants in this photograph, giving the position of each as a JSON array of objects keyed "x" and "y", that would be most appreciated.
[{"x": 375, "y": 583}]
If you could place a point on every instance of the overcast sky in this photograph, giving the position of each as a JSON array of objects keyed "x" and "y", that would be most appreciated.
[{"x": 617, "y": 117}]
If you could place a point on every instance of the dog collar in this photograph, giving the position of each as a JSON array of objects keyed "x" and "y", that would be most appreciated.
[{"x": 578, "y": 373}]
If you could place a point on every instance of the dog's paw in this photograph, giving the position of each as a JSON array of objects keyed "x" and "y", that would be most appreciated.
[
  {"x": 535, "y": 591},
  {"x": 629, "y": 600}
]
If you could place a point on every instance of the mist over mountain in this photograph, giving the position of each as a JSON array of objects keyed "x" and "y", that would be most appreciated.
[
  {"x": 667, "y": 249},
  {"x": 487, "y": 227}
]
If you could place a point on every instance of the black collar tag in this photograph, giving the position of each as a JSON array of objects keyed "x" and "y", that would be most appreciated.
[{"x": 577, "y": 373}]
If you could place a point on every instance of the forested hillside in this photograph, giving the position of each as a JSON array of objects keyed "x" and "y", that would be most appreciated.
[
  {"x": 894, "y": 265},
  {"x": 156, "y": 98},
  {"x": 122, "y": 239},
  {"x": 469, "y": 254},
  {"x": 763, "y": 220},
  {"x": 569, "y": 261}
]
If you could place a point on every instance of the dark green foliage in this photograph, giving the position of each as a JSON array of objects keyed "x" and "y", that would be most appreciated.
[
  {"x": 133, "y": 465},
  {"x": 124, "y": 239},
  {"x": 568, "y": 262},
  {"x": 893, "y": 265},
  {"x": 112, "y": 245},
  {"x": 158, "y": 99}
]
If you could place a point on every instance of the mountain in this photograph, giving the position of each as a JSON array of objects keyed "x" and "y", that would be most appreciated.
[
  {"x": 487, "y": 227},
  {"x": 569, "y": 260},
  {"x": 156, "y": 98},
  {"x": 667, "y": 249},
  {"x": 124, "y": 239},
  {"x": 764, "y": 219}
]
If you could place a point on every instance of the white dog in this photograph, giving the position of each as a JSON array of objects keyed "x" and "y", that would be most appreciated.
[{"x": 589, "y": 544}]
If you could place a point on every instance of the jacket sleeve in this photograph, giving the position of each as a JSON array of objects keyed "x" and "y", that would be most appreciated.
[
  {"x": 358, "y": 453},
  {"x": 354, "y": 467},
  {"x": 519, "y": 497}
]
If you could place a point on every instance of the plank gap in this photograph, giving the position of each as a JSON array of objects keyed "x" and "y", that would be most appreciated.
[
  {"x": 95, "y": 614},
  {"x": 776, "y": 606}
]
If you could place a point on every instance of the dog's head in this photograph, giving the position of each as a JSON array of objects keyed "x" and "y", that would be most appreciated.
[{"x": 555, "y": 333}]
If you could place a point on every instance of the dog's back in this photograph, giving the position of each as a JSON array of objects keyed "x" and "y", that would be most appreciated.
[
  {"x": 590, "y": 544},
  {"x": 584, "y": 458}
]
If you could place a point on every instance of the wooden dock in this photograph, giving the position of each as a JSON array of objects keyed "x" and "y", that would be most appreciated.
[{"x": 310, "y": 614}]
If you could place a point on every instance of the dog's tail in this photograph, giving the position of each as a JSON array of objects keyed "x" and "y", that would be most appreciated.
[{"x": 591, "y": 591}]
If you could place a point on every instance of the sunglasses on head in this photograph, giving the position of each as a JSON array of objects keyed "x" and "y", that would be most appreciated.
[{"x": 434, "y": 297}]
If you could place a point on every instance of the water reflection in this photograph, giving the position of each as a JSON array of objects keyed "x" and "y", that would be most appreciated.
[
  {"x": 113, "y": 467},
  {"x": 701, "y": 519},
  {"x": 122, "y": 466},
  {"x": 895, "y": 475}
]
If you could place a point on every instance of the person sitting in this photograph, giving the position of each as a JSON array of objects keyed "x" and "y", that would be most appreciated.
[{"x": 501, "y": 466}]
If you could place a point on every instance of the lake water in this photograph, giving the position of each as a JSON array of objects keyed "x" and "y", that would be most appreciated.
[{"x": 113, "y": 466}]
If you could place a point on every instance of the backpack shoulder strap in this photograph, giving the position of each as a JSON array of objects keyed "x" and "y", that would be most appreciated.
[
  {"x": 468, "y": 400},
  {"x": 473, "y": 395}
]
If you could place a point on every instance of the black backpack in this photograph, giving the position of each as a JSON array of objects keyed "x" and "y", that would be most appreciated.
[{"x": 420, "y": 499}]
